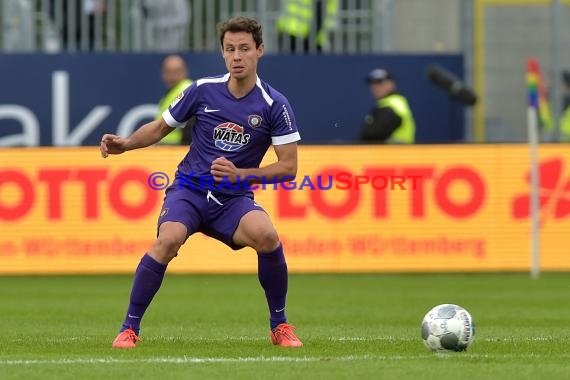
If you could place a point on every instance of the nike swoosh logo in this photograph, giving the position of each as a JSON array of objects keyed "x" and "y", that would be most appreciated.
[
  {"x": 206, "y": 109},
  {"x": 134, "y": 316},
  {"x": 279, "y": 311}
]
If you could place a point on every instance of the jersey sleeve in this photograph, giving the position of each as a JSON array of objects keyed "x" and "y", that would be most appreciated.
[
  {"x": 182, "y": 108},
  {"x": 284, "y": 125}
]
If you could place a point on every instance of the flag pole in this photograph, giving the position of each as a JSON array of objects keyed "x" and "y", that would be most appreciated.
[{"x": 533, "y": 81}]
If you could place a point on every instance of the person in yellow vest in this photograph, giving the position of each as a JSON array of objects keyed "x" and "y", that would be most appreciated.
[
  {"x": 565, "y": 117},
  {"x": 390, "y": 120},
  {"x": 174, "y": 74},
  {"x": 299, "y": 17}
]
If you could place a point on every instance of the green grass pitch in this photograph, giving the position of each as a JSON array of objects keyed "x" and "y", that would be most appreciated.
[{"x": 353, "y": 327}]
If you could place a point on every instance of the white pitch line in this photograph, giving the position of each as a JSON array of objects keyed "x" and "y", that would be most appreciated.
[
  {"x": 274, "y": 359},
  {"x": 190, "y": 360}
]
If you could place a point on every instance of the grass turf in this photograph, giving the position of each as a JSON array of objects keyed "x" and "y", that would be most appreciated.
[{"x": 353, "y": 326}]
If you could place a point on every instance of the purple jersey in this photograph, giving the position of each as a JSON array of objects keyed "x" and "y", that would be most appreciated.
[{"x": 240, "y": 130}]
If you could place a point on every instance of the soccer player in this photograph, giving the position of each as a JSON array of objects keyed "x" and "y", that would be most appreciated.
[{"x": 238, "y": 116}]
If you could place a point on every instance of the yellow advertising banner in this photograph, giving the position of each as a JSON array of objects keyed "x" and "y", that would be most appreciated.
[{"x": 350, "y": 209}]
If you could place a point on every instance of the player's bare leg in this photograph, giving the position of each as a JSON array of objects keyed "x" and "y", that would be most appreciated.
[
  {"x": 256, "y": 230},
  {"x": 148, "y": 278}
]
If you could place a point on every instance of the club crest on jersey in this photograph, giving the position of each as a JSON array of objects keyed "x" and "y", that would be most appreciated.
[
  {"x": 230, "y": 137},
  {"x": 177, "y": 99},
  {"x": 254, "y": 121}
]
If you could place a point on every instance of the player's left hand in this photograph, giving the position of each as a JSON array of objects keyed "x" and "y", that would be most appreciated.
[{"x": 224, "y": 168}]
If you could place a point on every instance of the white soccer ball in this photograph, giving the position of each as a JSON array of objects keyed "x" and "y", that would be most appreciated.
[{"x": 448, "y": 327}]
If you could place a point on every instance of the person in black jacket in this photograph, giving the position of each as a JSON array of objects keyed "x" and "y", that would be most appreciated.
[{"x": 391, "y": 119}]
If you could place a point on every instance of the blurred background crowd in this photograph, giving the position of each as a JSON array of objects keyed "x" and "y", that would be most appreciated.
[{"x": 335, "y": 42}]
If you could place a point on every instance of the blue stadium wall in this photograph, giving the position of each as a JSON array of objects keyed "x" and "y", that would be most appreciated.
[{"x": 73, "y": 99}]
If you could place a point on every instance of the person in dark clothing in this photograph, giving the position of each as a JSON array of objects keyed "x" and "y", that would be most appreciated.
[{"x": 390, "y": 120}]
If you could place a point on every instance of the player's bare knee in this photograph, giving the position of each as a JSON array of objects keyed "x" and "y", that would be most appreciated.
[
  {"x": 166, "y": 247},
  {"x": 171, "y": 236},
  {"x": 266, "y": 240}
]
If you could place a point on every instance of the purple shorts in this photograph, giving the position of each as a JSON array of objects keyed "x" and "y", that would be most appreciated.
[{"x": 214, "y": 214}]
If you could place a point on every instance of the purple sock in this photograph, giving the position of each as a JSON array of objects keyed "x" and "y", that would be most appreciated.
[
  {"x": 272, "y": 273},
  {"x": 148, "y": 278}
]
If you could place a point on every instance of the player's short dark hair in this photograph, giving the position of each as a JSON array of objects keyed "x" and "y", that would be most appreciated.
[{"x": 241, "y": 24}]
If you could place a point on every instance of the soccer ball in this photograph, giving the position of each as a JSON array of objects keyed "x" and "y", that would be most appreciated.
[{"x": 448, "y": 327}]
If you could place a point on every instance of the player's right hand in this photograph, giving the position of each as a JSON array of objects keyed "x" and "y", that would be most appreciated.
[{"x": 112, "y": 144}]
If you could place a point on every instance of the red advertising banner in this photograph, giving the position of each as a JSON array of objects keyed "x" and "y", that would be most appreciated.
[{"x": 350, "y": 209}]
